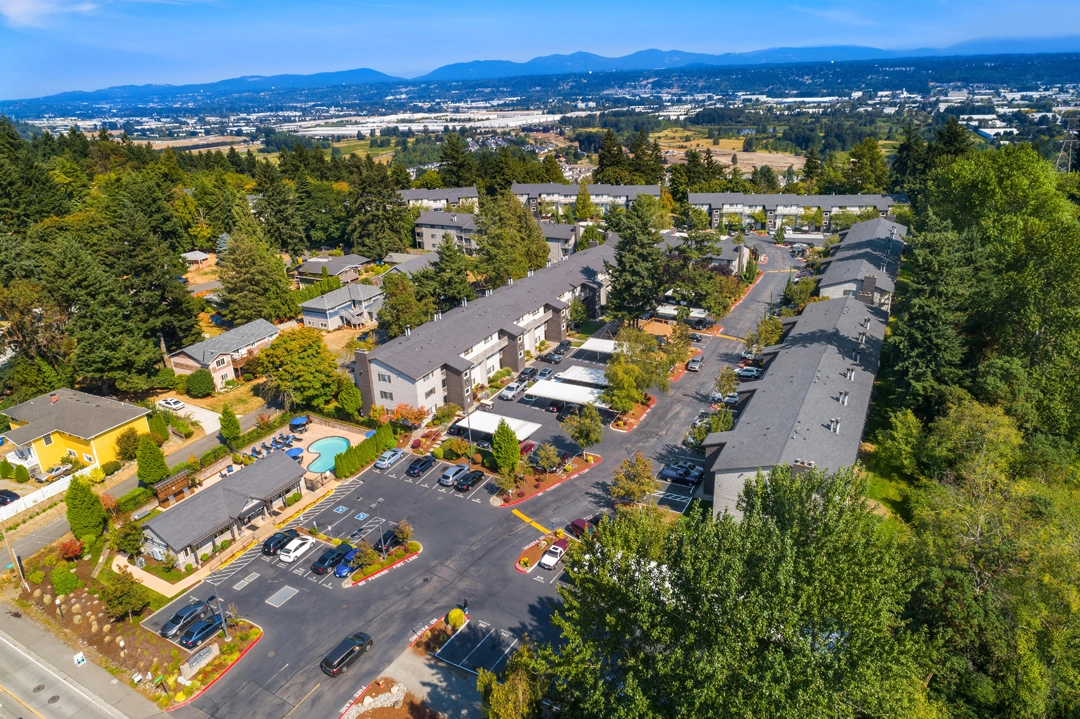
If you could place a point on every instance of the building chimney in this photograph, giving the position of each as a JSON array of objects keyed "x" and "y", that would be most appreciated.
[
  {"x": 408, "y": 330},
  {"x": 53, "y": 397}
]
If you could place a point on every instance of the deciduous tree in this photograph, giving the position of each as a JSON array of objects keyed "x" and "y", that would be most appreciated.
[
  {"x": 299, "y": 368},
  {"x": 634, "y": 480}
]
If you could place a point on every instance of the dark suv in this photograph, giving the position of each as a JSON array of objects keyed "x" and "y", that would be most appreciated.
[
  {"x": 527, "y": 374},
  {"x": 345, "y": 653},
  {"x": 273, "y": 545},
  {"x": 419, "y": 466},
  {"x": 185, "y": 617},
  {"x": 387, "y": 543},
  {"x": 330, "y": 558},
  {"x": 563, "y": 347}
]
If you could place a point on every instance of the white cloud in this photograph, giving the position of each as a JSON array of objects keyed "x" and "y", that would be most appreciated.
[{"x": 33, "y": 13}]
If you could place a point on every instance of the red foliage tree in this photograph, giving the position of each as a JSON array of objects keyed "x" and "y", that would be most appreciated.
[{"x": 71, "y": 549}]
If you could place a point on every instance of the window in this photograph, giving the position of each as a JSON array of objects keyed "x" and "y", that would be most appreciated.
[
  {"x": 89, "y": 459},
  {"x": 220, "y": 362},
  {"x": 224, "y": 377},
  {"x": 71, "y": 453},
  {"x": 384, "y": 377},
  {"x": 429, "y": 393},
  {"x": 388, "y": 396},
  {"x": 46, "y": 440},
  {"x": 849, "y": 293}
]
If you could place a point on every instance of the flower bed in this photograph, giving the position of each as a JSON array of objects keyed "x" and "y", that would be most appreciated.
[
  {"x": 398, "y": 555},
  {"x": 243, "y": 636},
  {"x": 538, "y": 484},
  {"x": 627, "y": 421},
  {"x": 433, "y": 639},
  {"x": 527, "y": 560}
]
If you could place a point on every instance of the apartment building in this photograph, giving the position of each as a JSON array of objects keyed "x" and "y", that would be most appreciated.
[
  {"x": 561, "y": 239},
  {"x": 721, "y": 206},
  {"x": 560, "y": 197},
  {"x": 440, "y": 361},
  {"x": 430, "y": 227},
  {"x": 447, "y": 198},
  {"x": 865, "y": 264}
]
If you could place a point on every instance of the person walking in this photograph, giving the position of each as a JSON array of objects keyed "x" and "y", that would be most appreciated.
[{"x": 465, "y": 606}]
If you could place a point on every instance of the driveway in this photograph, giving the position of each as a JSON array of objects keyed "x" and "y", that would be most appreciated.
[{"x": 211, "y": 421}]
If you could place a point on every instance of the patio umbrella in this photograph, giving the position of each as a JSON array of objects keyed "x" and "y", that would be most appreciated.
[
  {"x": 298, "y": 421},
  {"x": 294, "y": 452}
]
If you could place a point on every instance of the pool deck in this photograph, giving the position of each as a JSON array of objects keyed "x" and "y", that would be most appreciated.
[{"x": 314, "y": 433}]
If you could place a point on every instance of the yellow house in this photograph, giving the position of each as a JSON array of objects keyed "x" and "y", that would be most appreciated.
[{"x": 49, "y": 429}]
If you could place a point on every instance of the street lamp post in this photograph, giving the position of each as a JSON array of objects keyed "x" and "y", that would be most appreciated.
[
  {"x": 224, "y": 619},
  {"x": 375, "y": 506}
]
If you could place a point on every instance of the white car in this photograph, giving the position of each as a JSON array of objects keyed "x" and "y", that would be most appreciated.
[
  {"x": 749, "y": 372},
  {"x": 553, "y": 555},
  {"x": 717, "y": 398},
  {"x": 748, "y": 356},
  {"x": 295, "y": 549},
  {"x": 171, "y": 403}
]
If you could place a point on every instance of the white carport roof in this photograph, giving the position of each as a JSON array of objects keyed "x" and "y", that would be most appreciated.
[
  {"x": 488, "y": 422},
  {"x": 566, "y": 392},
  {"x": 673, "y": 311},
  {"x": 583, "y": 375},
  {"x": 597, "y": 345}
]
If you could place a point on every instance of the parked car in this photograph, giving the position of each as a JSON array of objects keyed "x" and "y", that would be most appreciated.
[
  {"x": 526, "y": 374},
  {"x": 420, "y": 465},
  {"x": 55, "y": 472},
  {"x": 677, "y": 475},
  {"x": 457, "y": 430},
  {"x": 692, "y": 469},
  {"x": 545, "y": 373},
  {"x": 345, "y": 566},
  {"x": 526, "y": 448},
  {"x": 748, "y": 355},
  {"x": 345, "y": 653},
  {"x": 749, "y": 372},
  {"x": 452, "y": 473},
  {"x": 511, "y": 391},
  {"x": 564, "y": 347},
  {"x": 295, "y": 549},
  {"x": 7, "y": 497},
  {"x": 699, "y": 323},
  {"x": 702, "y": 418},
  {"x": 581, "y": 526},
  {"x": 389, "y": 458},
  {"x": 202, "y": 630},
  {"x": 387, "y": 543},
  {"x": 331, "y": 558},
  {"x": 567, "y": 411},
  {"x": 695, "y": 337},
  {"x": 186, "y": 616},
  {"x": 694, "y": 365},
  {"x": 553, "y": 555},
  {"x": 551, "y": 358},
  {"x": 555, "y": 405},
  {"x": 468, "y": 480},
  {"x": 172, "y": 404},
  {"x": 277, "y": 542}
]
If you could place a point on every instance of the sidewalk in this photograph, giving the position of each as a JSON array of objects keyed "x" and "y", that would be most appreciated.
[{"x": 86, "y": 692}]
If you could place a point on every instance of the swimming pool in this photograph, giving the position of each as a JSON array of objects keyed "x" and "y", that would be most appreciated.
[{"x": 327, "y": 448}]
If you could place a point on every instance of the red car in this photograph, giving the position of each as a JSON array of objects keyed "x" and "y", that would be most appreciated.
[
  {"x": 580, "y": 527},
  {"x": 527, "y": 447}
]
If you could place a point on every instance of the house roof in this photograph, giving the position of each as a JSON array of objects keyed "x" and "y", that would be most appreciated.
[
  {"x": 554, "y": 188},
  {"x": 211, "y": 509},
  {"x": 458, "y": 220},
  {"x": 442, "y": 341},
  {"x": 725, "y": 249},
  {"x": 770, "y": 202},
  {"x": 334, "y": 265},
  {"x": 558, "y": 231},
  {"x": 452, "y": 194},
  {"x": 348, "y": 294},
  {"x": 396, "y": 258},
  {"x": 788, "y": 415},
  {"x": 415, "y": 263},
  {"x": 195, "y": 256},
  {"x": 69, "y": 411},
  {"x": 865, "y": 250},
  {"x": 228, "y": 342}
]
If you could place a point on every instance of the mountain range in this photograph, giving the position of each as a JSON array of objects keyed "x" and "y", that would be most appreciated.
[{"x": 582, "y": 62}]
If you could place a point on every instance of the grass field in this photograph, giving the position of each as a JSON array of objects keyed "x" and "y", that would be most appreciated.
[{"x": 363, "y": 147}]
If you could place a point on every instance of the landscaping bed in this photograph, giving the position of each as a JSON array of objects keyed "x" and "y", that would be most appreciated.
[
  {"x": 375, "y": 693},
  {"x": 628, "y": 420},
  {"x": 398, "y": 555},
  {"x": 535, "y": 484},
  {"x": 433, "y": 639},
  {"x": 527, "y": 560},
  {"x": 242, "y": 636}
]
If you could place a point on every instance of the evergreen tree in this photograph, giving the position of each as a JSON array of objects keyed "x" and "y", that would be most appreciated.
[
  {"x": 950, "y": 141},
  {"x": 456, "y": 164},
  {"x": 911, "y": 162},
  {"x": 401, "y": 306},
  {"x": 506, "y": 449},
  {"x": 584, "y": 209},
  {"x": 613, "y": 166},
  {"x": 450, "y": 278},
  {"x": 230, "y": 425},
  {"x": 124, "y": 595},
  {"x": 811, "y": 168},
  {"x": 349, "y": 398},
  {"x": 253, "y": 280},
  {"x": 867, "y": 173},
  {"x": 85, "y": 513},
  {"x": 152, "y": 467},
  {"x": 634, "y": 276},
  {"x": 552, "y": 172},
  {"x": 277, "y": 211},
  {"x": 509, "y": 241},
  {"x": 379, "y": 222}
]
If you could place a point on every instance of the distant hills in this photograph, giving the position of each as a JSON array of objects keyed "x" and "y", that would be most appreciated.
[{"x": 578, "y": 62}]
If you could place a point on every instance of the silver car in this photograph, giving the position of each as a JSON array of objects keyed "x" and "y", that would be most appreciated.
[{"x": 450, "y": 476}]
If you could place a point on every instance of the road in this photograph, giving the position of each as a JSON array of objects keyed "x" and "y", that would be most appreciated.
[
  {"x": 26, "y": 545},
  {"x": 204, "y": 287}
]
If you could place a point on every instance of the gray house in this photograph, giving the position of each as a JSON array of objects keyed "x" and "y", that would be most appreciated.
[
  {"x": 199, "y": 524},
  {"x": 346, "y": 268},
  {"x": 810, "y": 407},
  {"x": 865, "y": 264},
  {"x": 561, "y": 239},
  {"x": 350, "y": 306},
  {"x": 225, "y": 354}
]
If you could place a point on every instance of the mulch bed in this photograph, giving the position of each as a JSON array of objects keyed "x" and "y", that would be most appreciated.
[
  {"x": 633, "y": 417},
  {"x": 433, "y": 639},
  {"x": 535, "y": 551},
  {"x": 413, "y": 708},
  {"x": 535, "y": 484}
]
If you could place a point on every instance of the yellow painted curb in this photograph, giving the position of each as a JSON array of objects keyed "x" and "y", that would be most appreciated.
[{"x": 541, "y": 528}]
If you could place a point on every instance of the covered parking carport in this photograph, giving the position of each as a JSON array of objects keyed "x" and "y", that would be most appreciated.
[
  {"x": 565, "y": 392},
  {"x": 596, "y": 350},
  {"x": 485, "y": 423}
]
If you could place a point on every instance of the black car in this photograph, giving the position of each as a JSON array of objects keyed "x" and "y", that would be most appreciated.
[
  {"x": 419, "y": 466},
  {"x": 186, "y": 616},
  {"x": 550, "y": 357},
  {"x": 387, "y": 543},
  {"x": 563, "y": 347},
  {"x": 7, "y": 497},
  {"x": 568, "y": 411},
  {"x": 699, "y": 323},
  {"x": 330, "y": 558},
  {"x": 277, "y": 542},
  {"x": 468, "y": 480},
  {"x": 456, "y": 430},
  {"x": 556, "y": 405},
  {"x": 345, "y": 653},
  {"x": 202, "y": 630},
  {"x": 527, "y": 375}
]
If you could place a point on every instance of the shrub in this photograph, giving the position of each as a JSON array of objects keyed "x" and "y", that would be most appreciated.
[
  {"x": 96, "y": 475},
  {"x": 445, "y": 413},
  {"x": 36, "y": 577},
  {"x": 180, "y": 383},
  {"x": 230, "y": 648},
  {"x": 127, "y": 444},
  {"x": 477, "y": 458},
  {"x": 292, "y": 499},
  {"x": 159, "y": 426},
  {"x": 22, "y": 476},
  {"x": 50, "y": 560},
  {"x": 200, "y": 383},
  {"x": 559, "y": 534},
  {"x": 63, "y": 581},
  {"x": 225, "y": 544},
  {"x": 416, "y": 444},
  {"x": 203, "y": 557},
  {"x": 456, "y": 619},
  {"x": 111, "y": 468},
  {"x": 71, "y": 549},
  {"x": 413, "y": 547},
  {"x": 243, "y": 636},
  {"x": 134, "y": 499},
  {"x": 6, "y": 470},
  {"x": 524, "y": 561},
  {"x": 213, "y": 455},
  {"x": 437, "y": 453}
]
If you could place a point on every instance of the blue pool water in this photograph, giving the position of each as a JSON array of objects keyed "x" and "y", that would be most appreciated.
[{"x": 327, "y": 448}]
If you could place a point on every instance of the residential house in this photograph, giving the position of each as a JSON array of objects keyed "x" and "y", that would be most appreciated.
[
  {"x": 65, "y": 424},
  {"x": 396, "y": 258},
  {"x": 414, "y": 264},
  {"x": 865, "y": 264},
  {"x": 443, "y": 199},
  {"x": 809, "y": 409},
  {"x": 225, "y": 354},
  {"x": 353, "y": 305},
  {"x": 431, "y": 227},
  {"x": 197, "y": 526},
  {"x": 347, "y": 268},
  {"x": 440, "y": 361},
  {"x": 721, "y": 206},
  {"x": 195, "y": 258},
  {"x": 561, "y": 239},
  {"x": 561, "y": 197}
]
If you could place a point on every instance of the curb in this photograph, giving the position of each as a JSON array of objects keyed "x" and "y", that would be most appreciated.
[
  {"x": 597, "y": 460},
  {"x": 356, "y": 698},
  {"x": 430, "y": 624},
  {"x": 639, "y": 419},
  {"x": 517, "y": 562},
  {"x": 387, "y": 568},
  {"x": 202, "y": 691},
  {"x": 748, "y": 289}
]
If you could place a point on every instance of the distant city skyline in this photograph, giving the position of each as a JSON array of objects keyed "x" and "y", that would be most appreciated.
[{"x": 51, "y": 46}]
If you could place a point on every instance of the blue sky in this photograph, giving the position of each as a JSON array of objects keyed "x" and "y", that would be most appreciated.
[{"x": 49, "y": 46}]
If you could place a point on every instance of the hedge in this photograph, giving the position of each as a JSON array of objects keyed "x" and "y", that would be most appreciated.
[
  {"x": 213, "y": 455},
  {"x": 256, "y": 434},
  {"x": 359, "y": 456},
  {"x": 110, "y": 468},
  {"x": 134, "y": 499},
  {"x": 159, "y": 426}
]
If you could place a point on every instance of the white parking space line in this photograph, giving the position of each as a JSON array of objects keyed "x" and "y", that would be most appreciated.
[
  {"x": 503, "y": 655},
  {"x": 478, "y": 645}
]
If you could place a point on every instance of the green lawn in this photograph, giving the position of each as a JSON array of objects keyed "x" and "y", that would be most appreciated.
[{"x": 590, "y": 327}]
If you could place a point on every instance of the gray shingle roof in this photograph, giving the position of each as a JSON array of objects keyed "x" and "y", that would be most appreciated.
[
  {"x": 71, "y": 412},
  {"x": 459, "y": 220},
  {"x": 867, "y": 247},
  {"x": 228, "y": 342},
  {"x": 211, "y": 509},
  {"x": 441, "y": 342},
  {"x": 355, "y": 292},
  {"x": 417, "y": 263},
  {"x": 555, "y": 188},
  {"x": 558, "y": 230},
  {"x": 787, "y": 417},
  {"x": 769, "y": 202},
  {"x": 452, "y": 194},
  {"x": 334, "y": 265},
  {"x": 195, "y": 256},
  {"x": 396, "y": 258}
]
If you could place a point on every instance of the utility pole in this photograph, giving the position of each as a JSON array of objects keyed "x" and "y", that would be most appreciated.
[
  {"x": 1067, "y": 154},
  {"x": 15, "y": 561}
]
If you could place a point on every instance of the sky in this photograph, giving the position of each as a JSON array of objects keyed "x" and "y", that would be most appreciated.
[{"x": 50, "y": 46}]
